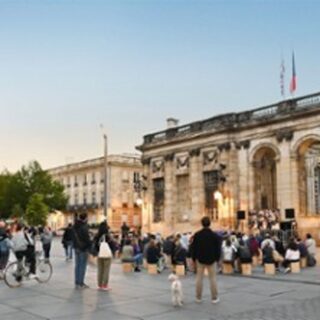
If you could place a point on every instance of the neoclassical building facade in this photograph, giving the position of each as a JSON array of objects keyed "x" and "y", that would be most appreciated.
[
  {"x": 84, "y": 187},
  {"x": 266, "y": 158}
]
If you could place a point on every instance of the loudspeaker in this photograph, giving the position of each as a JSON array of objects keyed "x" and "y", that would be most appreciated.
[
  {"x": 286, "y": 225},
  {"x": 241, "y": 214},
  {"x": 289, "y": 213}
]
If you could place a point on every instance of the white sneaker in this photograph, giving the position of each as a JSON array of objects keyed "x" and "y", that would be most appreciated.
[
  {"x": 198, "y": 300},
  {"x": 33, "y": 277},
  {"x": 214, "y": 301},
  {"x": 287, "y": 270}
]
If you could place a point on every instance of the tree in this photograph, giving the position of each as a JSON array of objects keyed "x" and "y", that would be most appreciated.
[
  {"x": 17, "y": 189},
  {"x": 17, "y": 211},
  {"x": 37, "y": 211}
]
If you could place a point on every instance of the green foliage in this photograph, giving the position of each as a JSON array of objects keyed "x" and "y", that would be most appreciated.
[
  {"x": 37, "y": 211},
  {"x": 17, "y": 211},
  {"x": 17, "y": 190}
]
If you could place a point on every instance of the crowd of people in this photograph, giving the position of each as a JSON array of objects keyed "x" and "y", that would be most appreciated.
[
  {"x": 202, "y": 251},
  {"x": 264, "y": 220}
]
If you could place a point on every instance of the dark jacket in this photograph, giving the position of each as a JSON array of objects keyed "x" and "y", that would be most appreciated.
[
  {"x": 179, "y": 255},
  {"x": 153, "y": 255},
  {"x": 168, "y": 246},
  {"x": 67, "y": 235},
  {"x": 3, "y": 234},
  {"x": 206, "y": 246},
  {"x": 268, "y": 255},
  {"x": 81, "y": 239}
]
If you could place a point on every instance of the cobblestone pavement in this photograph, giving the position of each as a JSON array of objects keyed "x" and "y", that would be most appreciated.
[{"x": 142, "y": 296}]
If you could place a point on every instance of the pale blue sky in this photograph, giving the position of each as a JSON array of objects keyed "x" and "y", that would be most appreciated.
[{"x": 66, "y": 66}]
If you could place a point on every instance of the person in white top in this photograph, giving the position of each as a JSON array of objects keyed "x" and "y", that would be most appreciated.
[
  {"x": 292, "y": 255},
  {"x": 311, "y": 245},
  {"x": 24, "y": 247}
]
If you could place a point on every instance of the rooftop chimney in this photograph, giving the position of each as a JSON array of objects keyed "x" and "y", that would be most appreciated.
[{"x": 172, "y": 123}]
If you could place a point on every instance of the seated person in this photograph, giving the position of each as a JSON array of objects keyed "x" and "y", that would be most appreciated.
[
  {"x": 138, "y": 255},
  {"x": 153, "y": 253},
  {"x": 302, "y": 248},
  {"x": 292, "y": 255},
  {"x": 244, "y": 253},
  {"x": 179, "y": 256},
  {"x": 267, "y": 253},
  {"x": 228, "y": 252},
  {"x": 127, "y": 252}
]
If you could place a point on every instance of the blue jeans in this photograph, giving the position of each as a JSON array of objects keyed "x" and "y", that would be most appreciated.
[
  {"x": 69, "y": 249},
  {"x": 138, "y": 259},
  {"x": 80, "y": 266}
]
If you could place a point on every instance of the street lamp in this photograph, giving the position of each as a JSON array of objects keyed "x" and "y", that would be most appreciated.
[
  {"x": 105, "y": 168},
  {"x": 217, "y": 195},
  {"x": 139, "y": 202}
]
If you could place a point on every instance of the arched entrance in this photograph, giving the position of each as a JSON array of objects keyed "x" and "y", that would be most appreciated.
[
  {"x": 265, "y": 178},
  {"x": 308, "y": 153}
]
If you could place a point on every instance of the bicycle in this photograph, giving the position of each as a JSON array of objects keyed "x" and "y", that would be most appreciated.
[{"x": 19, "y": 271}]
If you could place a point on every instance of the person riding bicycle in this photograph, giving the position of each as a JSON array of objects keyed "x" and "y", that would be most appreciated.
[{"x": 24, "y": 247}]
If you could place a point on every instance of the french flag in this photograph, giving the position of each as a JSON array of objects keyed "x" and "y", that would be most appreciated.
[{"x": 293, "y": 82}]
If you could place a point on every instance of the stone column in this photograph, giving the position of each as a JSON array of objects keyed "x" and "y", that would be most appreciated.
[
  {"x": 243, "y": 180},
  {"x": 147, "y": 206},
  {"x": 295, "y": 184},
  {"x": 169, "y": 195},
  {"x": 284, "y": 178},
  {"x": 196, "y": 187}
]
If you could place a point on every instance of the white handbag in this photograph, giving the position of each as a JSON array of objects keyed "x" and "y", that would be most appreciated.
[{"x": 104, "y": 250}]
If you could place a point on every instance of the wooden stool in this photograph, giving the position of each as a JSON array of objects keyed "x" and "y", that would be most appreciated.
[
  {"x": 152, "y": 269},
  {"x": 127, "y": 267},
  {"x": 145, "y": 264},
  {"x": 180, "y": 270},
  {"x": 295, "y": 267},
  {"x": 255, "y": 261},
  {"x": 269, "y": 268},
  {"x": 227, "y": 268},
  {"x": 246, "y": 269},
  {"x": 303, "y": 262}
]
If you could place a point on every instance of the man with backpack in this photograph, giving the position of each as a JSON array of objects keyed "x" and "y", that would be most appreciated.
[{"x": 82, "y": 245}]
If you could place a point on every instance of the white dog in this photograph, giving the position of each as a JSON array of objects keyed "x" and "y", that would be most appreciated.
[{"x": 176, "y": 290}]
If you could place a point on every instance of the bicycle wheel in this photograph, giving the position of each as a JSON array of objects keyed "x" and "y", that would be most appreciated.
[
  {"x": 44, "y": 271},
  {"x": 12, "y": 275}
]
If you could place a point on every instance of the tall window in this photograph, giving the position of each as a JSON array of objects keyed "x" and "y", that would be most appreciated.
[
  {"x": 84, "y": 198},
  {"x": 75, "y": 181},
  {"x": 102, "y": 198},
  {"x": 93, "y": 178},
  {"x": 183, "y": 198},
  {"x": 85, "y": 179},
  {"x": 158, "y": 200},
  {"x": 136, "y": 176},
  {"x": 76, "y": 199},
  {"x": 211, "y": 184},
  {"x": 93, "y": 197}
]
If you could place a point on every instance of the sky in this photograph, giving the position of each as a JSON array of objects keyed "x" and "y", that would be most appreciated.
[{"x": 68, "y": 66}]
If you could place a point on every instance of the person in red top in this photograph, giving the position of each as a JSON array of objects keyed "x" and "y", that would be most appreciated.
[{"x": 206, "y": 251}]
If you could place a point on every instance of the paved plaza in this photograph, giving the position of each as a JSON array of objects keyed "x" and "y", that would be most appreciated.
[{"x": 142, "y": 296}]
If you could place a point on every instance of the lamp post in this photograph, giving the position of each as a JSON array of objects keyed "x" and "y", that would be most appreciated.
[{"x": 105, "y": 173}]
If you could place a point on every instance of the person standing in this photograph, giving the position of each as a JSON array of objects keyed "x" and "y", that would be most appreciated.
[
  {"x": 67, "y": 241},
  {"x": 103, "y": 244},
  {"x": 82, "y": 244},
  {"x": 124, "y": 230},
  {"x": 46, "y": 239},
  {"x": 206, "y": 253}
]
